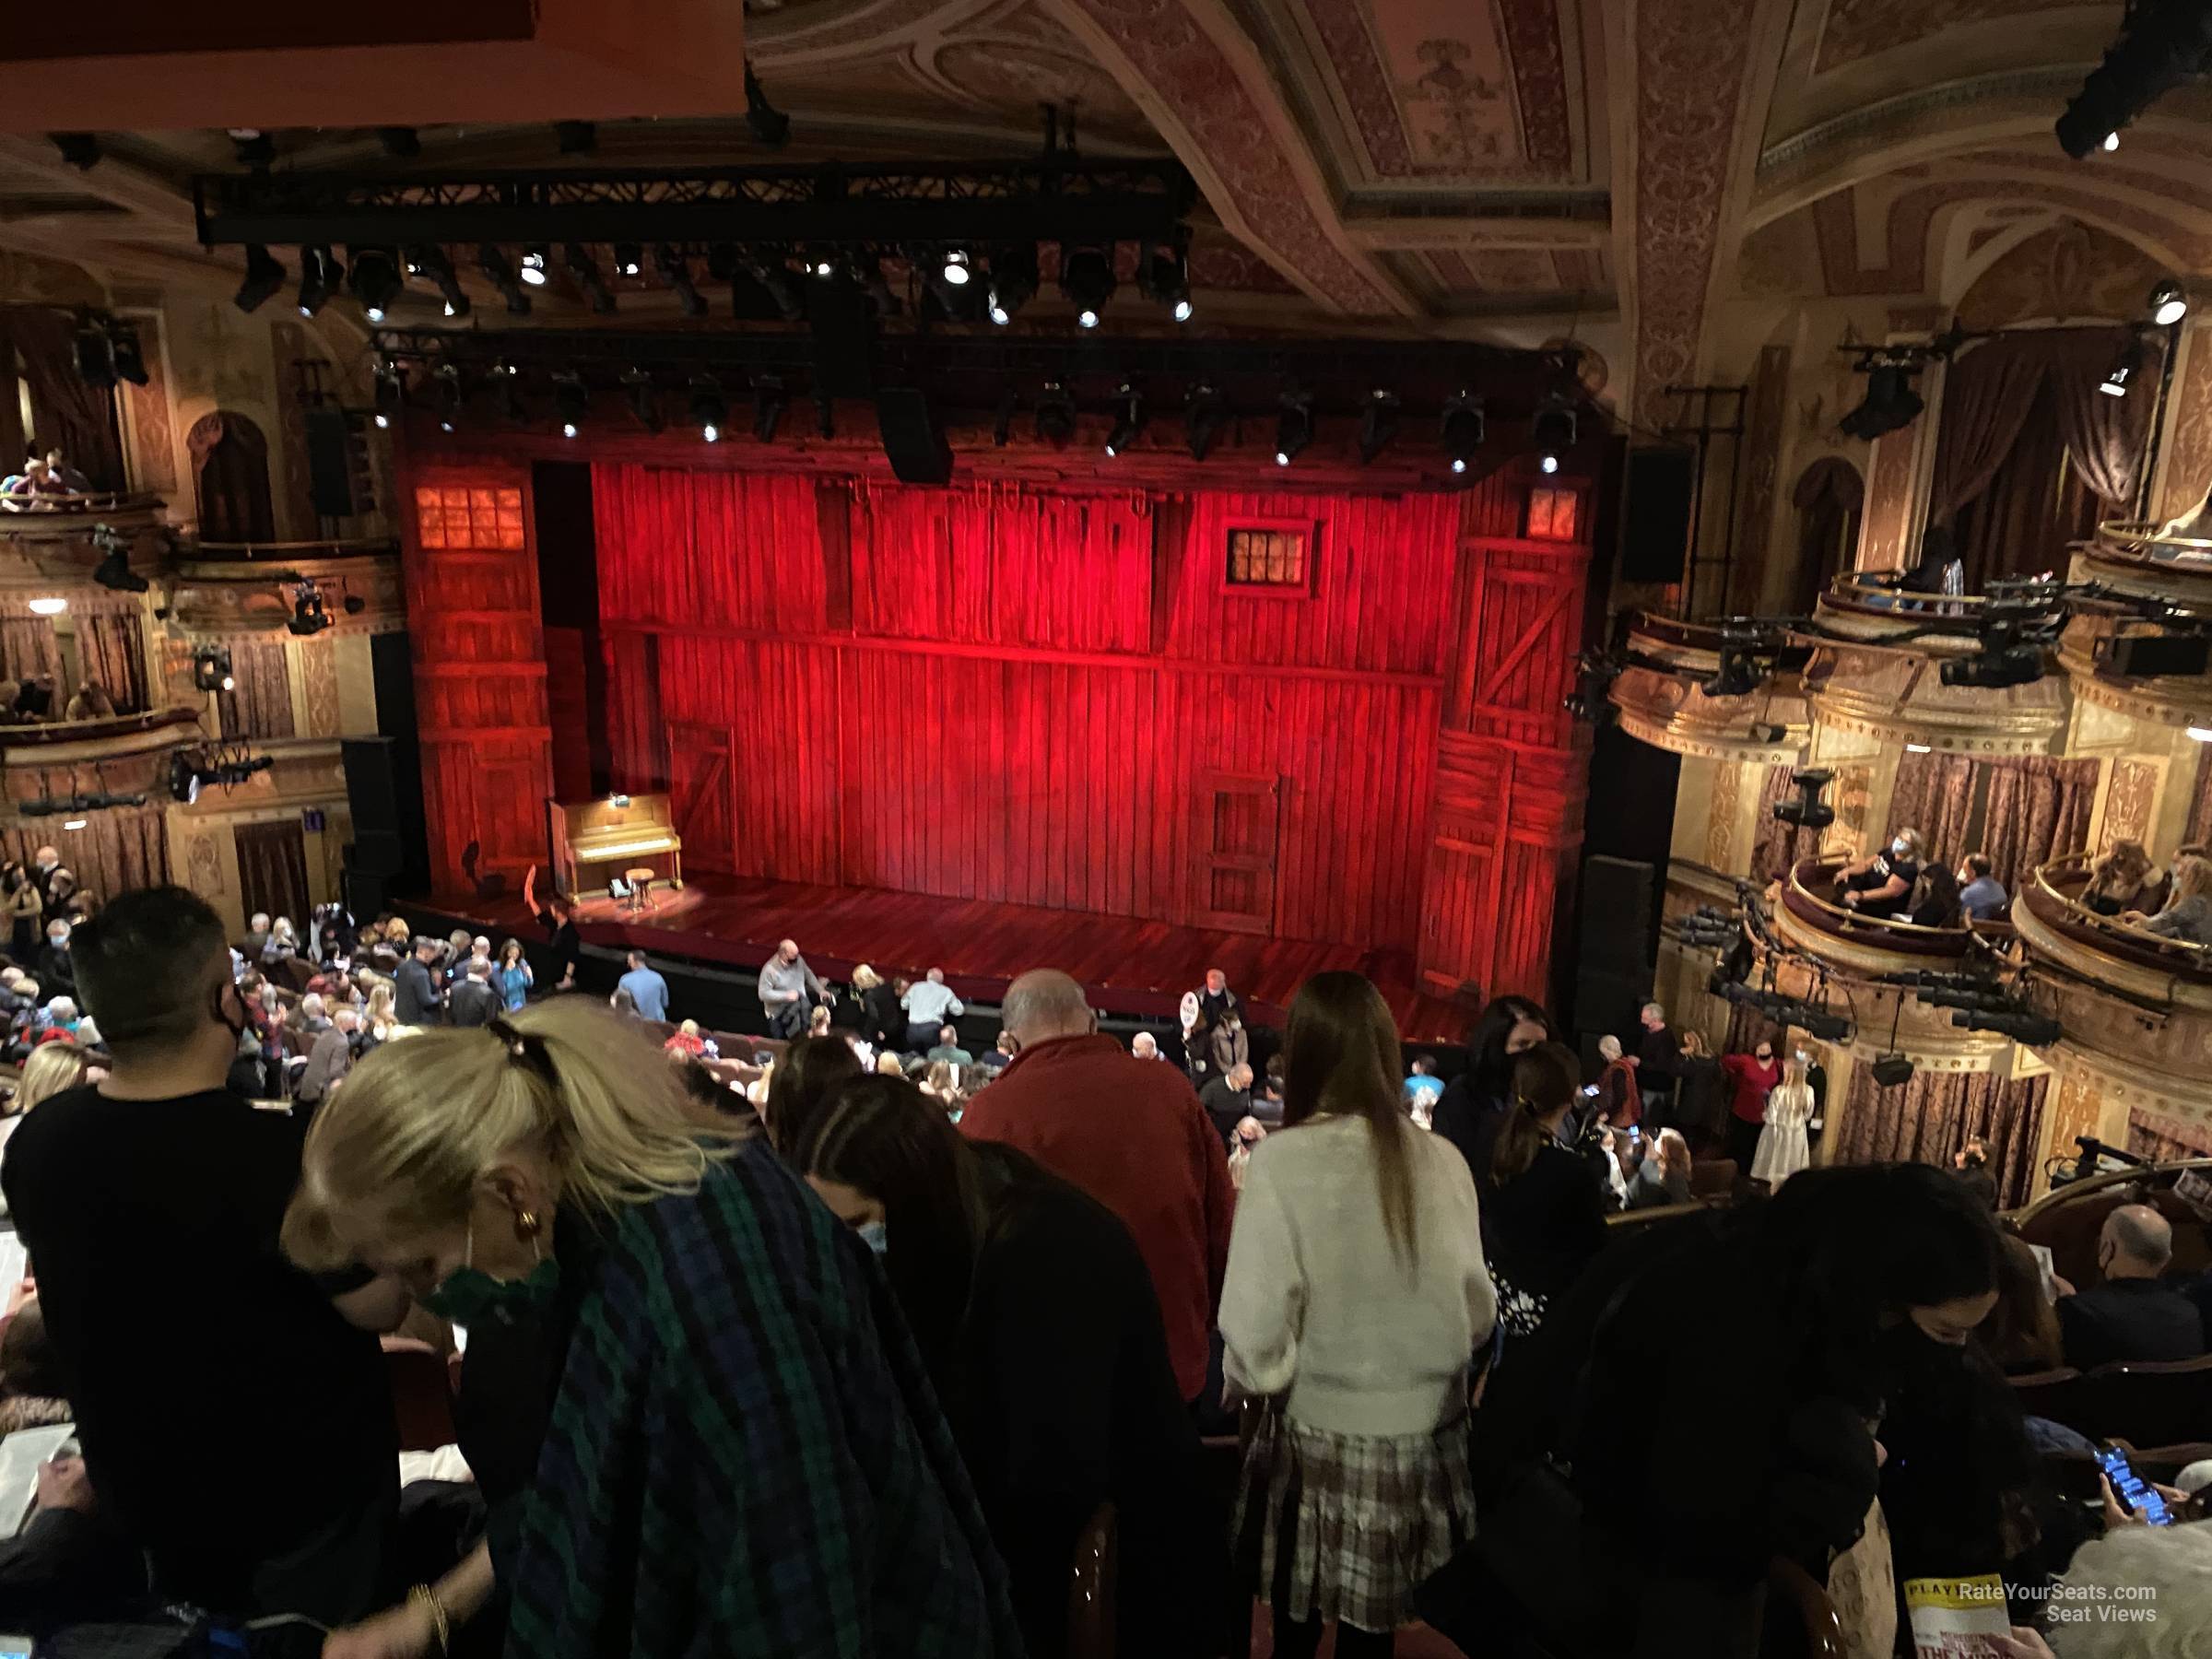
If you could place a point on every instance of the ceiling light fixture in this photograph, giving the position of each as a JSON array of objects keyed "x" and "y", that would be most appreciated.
[
  {"x": 391, "y": 394},
  {"x": 533, "y": 267},
  {"x": 630, "y": 259},
  {"x": 1013, "y": 280},
  {"x": 1891, "y": 403},
  {"x": 710, "y": 410},
  {"x": 571, "y": 402},
  {"x": 1462, "y": 429},
  {"x": 319, "y": 274},
  {"x": 374, "y": 280},
  {"x": 1087, "y": 278},
  {"x": 1293, "y": 425},
  {"x": 1128, "y": 421},
  {"x": 1162, "y": 275},
  {"x": 48, "y": 607},
  {"x": 957, "y": 270},
  {"x": 1378, "y": 423},
  {"x": 2169, "y": 304}
]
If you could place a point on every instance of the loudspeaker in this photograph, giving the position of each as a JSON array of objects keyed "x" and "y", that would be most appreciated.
[
  {"x": 1616, "y": 917},
  {"x": 1656, "y": 537},
  {"x": 385, "y": 792},
  {"x": 918, "y": 450},
  {"x": 844, "y": 321},
  {"x": 2132, "y": 654},
  {"x": 1608, "y": 1002},
  {"x": 330, "y": 464}
]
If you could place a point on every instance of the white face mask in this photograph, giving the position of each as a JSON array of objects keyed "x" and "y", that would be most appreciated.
[{"x": 1896, "y": 848}]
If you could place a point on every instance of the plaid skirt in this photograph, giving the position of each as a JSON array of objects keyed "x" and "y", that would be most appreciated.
[{"x": 1346, "y": 1526}]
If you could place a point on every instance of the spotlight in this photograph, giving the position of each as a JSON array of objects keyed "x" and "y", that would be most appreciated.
[
  {"x": 576, "y": 137},
  {"x": 1013, "y": 280},
  {"x": 1293, "y": 426},
  {"x": 507, "y": 391},
  {"x": 94, "y": 353},
  {"x": 822, "y": 264},
  {"x": 391, "y": 394},
  {"x": 2112, "y": 142},
  {"x": 534, "y": 266},
  {"x": 585, "y": 269},
  {"x": 55, "y": 607},
  {"x": 1056, "y": 415},
  {"x": 1203, "y": 419},
  {"x": 1890, "y": 402},
  {"x": 710, "y": 413},
  {"x": 1808, "y": 811},
  {"x": 1890, "y": 1070},
  {"x": 1738, "y": 674},
  {"x": 630, "y": 259},
  {"x": 309, "y": 617},
  {"x": 2162, "y": 44},
  {"x": 1554, "y": 429},
  {"x": 114, "y": 572},
  {"x": 265, "y": 276},
  {"x": 676, "y": 271},
  {"x": 81, "y": 150},
  {"x": 2169, "y": 304},
  {"x": 769, "y": 401},
  {"x": 374, "y": 280},
  {"x": 318, "y": 275},
  {"x": 956, "y": 268},
  {"x": 571, "y": 402},
  {"x": 432, "y": 263},
  {"x": 122, "y": 348},
  {"x": 1162, "y": 275},
  {"x": 645, "y": 400},
  {"x": 1378, "y": 423},
  {"x": 769, "y": 125},
  {"x": 2125, "y": 368},
  {"x": 2020, "y": 664},
  {"x": 948, "y": 283},
  {"x": 185, "y": 778},
  {"x": 399, "y": 142},
  {"x": 1128, "y": 421},
  {"x": 252, "y": 146},
  {"x": 500, "y": 273},
  {"x": 776, "y": 279},
  {"x": 446, "y": 381},
  {"x": 1087, "y": 278},
  {"x": 1462, "y": 429},
  {"x": 211, "y": 668},
  {"x": 2024, "y": 1025}
]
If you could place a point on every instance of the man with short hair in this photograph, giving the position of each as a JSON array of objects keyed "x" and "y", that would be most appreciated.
[
  {"x": 948, "y": 1048},
  {"x": 1982, "y": 897},
  {"x": 1423, "y": 1089},
  {"x": 329, "y": 1060},
  {"x": 257, "y": 936},
  {"x": 57, "y": 968},
  {"x": 1658, "y": 1059},
  {"x": 480, "y": 950},
  {"x": 415, "y": 994},
  {"x": 647, "y": 989},
  {"x": 787, "y": 986},
  {"x": 928, "y": 1005},
  {"x": 472, "y": 1002},
  {"x": 235, "y": 1413},
  {"x": 1217, "y": 999},
  {"x": 70, "y": 479},
  {"x": 1228, "y": 1100},
  {"x": 557, "y": 917},
  {"x": 2133, "y": 1315},
  {"x": 1145, "y": 1046},
  {"x": 1001, "y": 1053},
  {"x": 1130, "y": 1134}
]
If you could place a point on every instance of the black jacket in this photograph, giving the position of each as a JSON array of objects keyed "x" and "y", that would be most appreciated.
[
  {"x": 2129, "y": 1319},
  {"x": 415, "y": 994},
  {"x": 474, "y": 1003},
  {"x": 56, "y": 973},
  {"x": 882, "y": 1020}
]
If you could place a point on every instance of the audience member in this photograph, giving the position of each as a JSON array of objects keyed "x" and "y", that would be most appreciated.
[
  {"x": 1232, "y": 1046},
  {"x": 947, "y": 1048},
  {"x": 56, "y": 967},
  {"x": 38, "y": 479},
  {"x": 783, "y": 1482},
  {"x": 2134, "y": 1314},
  {"x": 44, "y": 863},
  {"x": 2021, "y": 1334},
  {"x": 2119, "y": 879},
  {"x": 817, "y": 1022},
  {"x": 1972, "y": 1162},
  {"x": 787, "y": 985},
  {"x": 415, "y": 987},
  {"x": 2157, "y": 887},
  {"x": 687, "y": 1040},
  {"x": 329, "y": 1060},
  {"x": 1543, "y": 1217},
  {"x": 70, "y": 1563},
  {"x": 1980, "y": 895},
  {"x": 647, "y": 989},
  {"x": 1250, "y": 1133},
  {"x": 379, "y": 1020},
  {"x": 1940, "y": 903},
  {"x": 812, "y": 1071},
  {"x": 1423, "y": 1089},
  {"x": 25, "y": 907},
  {"x": 929, "y": 1005},
  {"x": 1000, "y": 1054},
  {"x": 473, "y": 1003},
  {"x": 2162, "y": 1575},
  {"x": 1658, "y": 1058},
  {"x": 1619, "y": 1100},
  {"x": 1356, "y": 1293},
  {"x": 1058, "y": 1402},
  {"x": 556, "y": 915},
  {"x": 1474, "y": 1103},
  {"x": 1782, "y": 1149},
  {"x": 2187, "y": 915},
  {"x": 1215, "y": 999},
  {"x": 72, "y": 480},
  {"x": 51, "y": 1069},
  {"x": 623, "y": 1003},
  {"x": 512, "y": 978},
  {"x": 257, "y": 936},
  {"x": 882, "y": 1020},
  {"x": 91, "y": 702},
  {"x": 1751, "y": 1079},
  {"x": 1882, "y": 885},
  {"x": 1662, "y": 1168},
  {"x": 1701, "y": 1092},
  {"x": 1129, "y": 1134},
  {"x": 148, "y": 1294},
  {"x": 1228, "y": 1099},
  {"x": 1195, "y": 1041}
]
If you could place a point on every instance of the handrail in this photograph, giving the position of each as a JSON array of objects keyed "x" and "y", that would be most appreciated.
[
  {"x": 1851, "y": 589},
  {"x": 217, "y": 552},
  {"x": 82, "y": 505},
  {"x": 2142, "y": 540},
  {"x": 1844, "y": 913},
  {"x": 56, "y": 733}
]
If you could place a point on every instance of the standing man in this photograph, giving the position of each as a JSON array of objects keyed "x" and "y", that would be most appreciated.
[
  {"x": 787, "y": 986},
  {"x": 1129, "y": 1132},
  {"x": 646, "y": 988},
  {"x": 415, "y": 994},
  {"x": 56, "y": 967},
  {"x": 472, "y": 1002},
  {"x": 557, "y": 917},
  {"x": 1751, "y": 1078},
  {"x": 1658, "y": 1062},
  {"x": 152, "y": 1201},
  {"x": 257, "y": 936},
  {"x": 329, "y": 1060},
  {"x": 928, "y": 1005},
  {"x": 1217, "y": 999}
]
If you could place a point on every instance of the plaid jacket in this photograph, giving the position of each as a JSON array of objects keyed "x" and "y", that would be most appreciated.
[{"x": 744, "y": 1455}]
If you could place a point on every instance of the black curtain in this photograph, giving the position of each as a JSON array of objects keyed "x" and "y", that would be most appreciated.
[{"x": 272, "y": 869}]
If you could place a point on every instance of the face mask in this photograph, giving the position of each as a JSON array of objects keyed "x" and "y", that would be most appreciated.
[
  {"x": 469, "y": 1295},
  {"x": 1896, "y": 848},
  {"x": 875, "y": 1235}
]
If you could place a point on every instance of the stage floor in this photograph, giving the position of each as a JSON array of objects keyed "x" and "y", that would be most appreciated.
[{"x": 1130, "y": 967}]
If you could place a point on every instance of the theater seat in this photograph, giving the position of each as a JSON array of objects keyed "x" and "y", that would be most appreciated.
[
  {"x": 1712, "y": 1178},
  {"x": 2152, "y": 1404},
  {"x": 2064, "y": 1395},
  {"x": 422, "y": 1399},
  {"x": 1801, "y": 1622},
  {"x": 1091, "y": 1589}
]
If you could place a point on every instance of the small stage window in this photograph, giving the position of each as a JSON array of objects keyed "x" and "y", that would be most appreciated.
[
  {"x": 1273, "y": 557},
  {"x": 470, "y": 518}
]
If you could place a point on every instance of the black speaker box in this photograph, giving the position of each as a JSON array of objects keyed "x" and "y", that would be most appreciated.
[
  {"x": 1655, "y": 524},
  {"x": 330, "y": 464},
  {"x": 918, "y": 450},
  {"x": 1616, "y": 916},
  {"x": 2133, "y": 654}
]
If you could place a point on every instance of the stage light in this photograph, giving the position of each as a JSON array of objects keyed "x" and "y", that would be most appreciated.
[
  {"x": 500, "y": 273},
  {"x": 1293, "y": 426},
  {"x": 768, "y": 124},
  {"x": 391, "y": 394},
  {"x": 823, "y": 265},
  {"x": 1013, "y": 280},
  {"x": 533, "y": 271},
  {"x": 432, "y": 263},
  {"x": 2125, "y": 368},
  {"x": 571, "y": 402},
  {"x": 676, "y": 271},
  {"x": 956, "y": 268},
  {"x": 252, "y": 146},
  {"x": 211, "y": 668},
  {"x": 769, "y": 401},
  {"x": 1055, "y": 414},
  {"x": 585, "y": 269},
  {"x": 710, "y": 412},
  {"x": 185, "y": 779},
  {"x": 878, "y": 291},
  {"x": 81, "y": 150},
  {"x": 776, "y": 279},
  {"x": 1162, "y": 275},
  {"x": 374, "y": 280},
  {"x": 318, "y": 275},
  {"x": 507, "y": 391},
  {"x": 2169, "y": 304},
  {"x": 122, "y": 349},
  {"x": 2162, "y": 44},
  {"x": 94, "y": 353},
  {"x": 645, "y": 399},
  {"x": 399, "y": 142},
  {"x": 1890, "y": 405},
  {"x": 1128, "y": 421},
  {"x": 1995, "y": 670},
  {"x": 1378, "y": 423},
  {"x": 1461, "y": 429},
  {"x": 2112, "y": 142},
  {"x": 1808, "y": 811},
  {"x": 576, "y": 137},
  {"x": 630, "y": 259},
  {"x": 1554, "y": 429},
  {"x": 265, "y": 276},
  {"x": 308, "y": 615},
  {"x": 948, "y": 283},
  {"x": 48, "y": 607},
  {"x": 1890, "y": 1070},
  {"x": 1001, "y": 424},
  {"x": 446, "y": 381},
  {"x": 1087, "y": 278},
  {"x": 113, "y": 570},
  {"x": 1203, "y": 419}
]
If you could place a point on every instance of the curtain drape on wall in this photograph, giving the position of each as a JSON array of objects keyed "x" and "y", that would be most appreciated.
[
  {"x": 272, "y": 869},
  {"x": 1930, "y": 1117},
  {"x": 2155, "y": 1144},
  {"x": 262, "y": 704},
  {"x": 1935, "y": 794},
  {"x": 2200, "y": 801},
  {"x": 117, "y": 852},
  {"x": 2035, "y": 506},
  {"x": 1986, "y": 396},
  {"x": 112, "y": 650},
  {"x": 73, "y": 415},
  {"x": 28, "y": 647},
  {"x": 2038, "y": 809},
  {"x": 2106, "y": 438}
]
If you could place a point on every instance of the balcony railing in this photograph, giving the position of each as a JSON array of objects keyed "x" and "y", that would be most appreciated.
[
  {"x": 61, "y": 733},
  {"x": 1815, "y": 917},
  {"x": 2054, "y": 901},
  {"x": 287, "y": 553}
]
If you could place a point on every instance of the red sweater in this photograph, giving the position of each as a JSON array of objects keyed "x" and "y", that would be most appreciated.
[
  {"x": 1131, "y": 1134},
  {"x": 1749, "y": 1084}
]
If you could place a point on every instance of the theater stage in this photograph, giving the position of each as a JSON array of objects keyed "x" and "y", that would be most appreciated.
[{"x": 1130, "y": 967}]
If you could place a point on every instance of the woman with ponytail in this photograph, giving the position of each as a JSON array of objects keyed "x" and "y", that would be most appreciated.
[
  {"x": 687, "y": 1397},
  {"x": 1543, "y": 1215},
  {"x": 1355, "y": 1297}
]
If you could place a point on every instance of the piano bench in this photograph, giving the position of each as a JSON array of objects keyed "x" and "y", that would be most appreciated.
[{"x": 641, "y": 887}]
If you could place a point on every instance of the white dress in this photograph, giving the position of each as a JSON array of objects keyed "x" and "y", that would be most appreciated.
[{"x": 1782, "y": 1145}]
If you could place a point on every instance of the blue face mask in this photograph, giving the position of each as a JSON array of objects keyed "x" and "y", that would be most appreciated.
[{"x": 875, "y": 1235}]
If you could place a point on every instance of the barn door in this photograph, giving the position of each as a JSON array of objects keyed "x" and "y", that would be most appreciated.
[
  {"x": 702, "y": 786},
  {"x": 1459, "y": 930},
  {"x": 1235, "y": 851}
]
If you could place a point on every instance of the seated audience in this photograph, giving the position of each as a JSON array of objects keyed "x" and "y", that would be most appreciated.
[
  {"x": 1227, "y": 1099},
  {"x": 70, "y": 1563},
  {"x": 647, "y": 989},
  {"x": 257, "y": 936},
  {"x": 2118, "y": 880},
  {"x": 329, "y": 1060},
  {"x": 817, "y": 1021},
  {"x": 283, "y": 942},
  {"x": 2134, "y": 1314},
  {"x": 1128, "y": 1133},
  {"x": 687, "y": 1039},
  {"x": 948, "y": 1049},
  {"x": 2021, "y": 1334},
  {"x": 1423, "y": 1089},
  {"x": 1474, "y": 1103},
  {"x": 1000, "y": 1055},
  {"x": 1940, "y": 903},
  {"x": 2187, "y": 915},
  {"x": 1782, "y": 1149},
  {"x": 192, "y": 1184},
  {"x": 1661, "y": 1172},
  {"x": 512, "y": 978},
  {"x": 1357, "y": 1290},
  {"x": 2158, "y": 887},
  {"x": 1543, "y": 1217},
  {"x": 929, "y": 1005},
  {"x": 380, "y": 1018},
  {"x": 91, "y": 702},
  {"x": 1882, "y": 885},
  {"x": 1194, "y": 1041},
  {"x": 1058, "y": 1402},
  {"x": 37, "y": 479},
  {"x": 1980, "y": 895},
  {"x": 709, "y": 1426},
  {"x": 57, "y": 968},
  {"x": 72, "y": 480}
]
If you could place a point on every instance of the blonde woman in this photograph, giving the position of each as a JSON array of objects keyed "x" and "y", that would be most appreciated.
[
  {"x": 2188, "y": 913},
  {"x": 1782, "y": 1150},
  {"x": 2118, "y": 880},
  {"x": 51, "y": 1069},
  {"x": 882, "y": 1020},
  {"x": 380, "y": 1019},
  {"x": 734, "y": 1406}
]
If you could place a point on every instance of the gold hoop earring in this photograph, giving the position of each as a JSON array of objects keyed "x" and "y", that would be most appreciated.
[{"x": 526, "y": 1222}]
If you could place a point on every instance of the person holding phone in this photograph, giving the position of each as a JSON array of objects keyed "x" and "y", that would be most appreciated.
[{"x": 1543, "y": 1215}]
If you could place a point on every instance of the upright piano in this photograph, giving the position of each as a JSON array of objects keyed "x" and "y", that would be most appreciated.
[{"x": 609, "y": 835}]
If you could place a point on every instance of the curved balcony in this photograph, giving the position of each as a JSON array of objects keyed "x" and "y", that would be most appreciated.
[
  {"x": 286, "y": 555},
  {"x": 1809, "y": 918},
  {"x": 2141, "y": 559},
  {"x": 124, "y": 754},
  {"x": 1870, "y": 605},
  {"x": 2105, "y": 950},
  {"x": 66, "y": 517},
  {"x": 243, "y": 588},
  {"x": 2174, "y": 701},
  {"x": 1891, "y": 690},
  {"x": 1660, "y": 698}
]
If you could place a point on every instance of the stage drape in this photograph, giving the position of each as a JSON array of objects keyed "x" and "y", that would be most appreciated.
[
  {"x": 117, "y": 852},
  {"x": 2038, "y": 809},
  {"x": 2200, "y": 804},
  {"x": 1987, "y": 393},
  {"x": 2151, "y": 1141},
  {"x": 28, "y": 647},
  {"x": 74, "y": 416},
  {"x": 2035, "y": 508},
  {"x": 272, "y": 869},
  {"x": 112, "y": 650},
  {"x": 1932, "y": 1116},
  {"x": 1998, "y": 391},
  {"x": 261, "y": 706},
  {"x": 1935, "y": 794}
]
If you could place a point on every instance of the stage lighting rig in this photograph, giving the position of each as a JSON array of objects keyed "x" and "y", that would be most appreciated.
[
  {"x": 252, "y": 146},
  {"x": 1203, "y": 419},
  {"x": 2169, "y": 304},
  {"x": 571, "y": 402},
  {"x": 1293, "y": 425},
  {"x": 576, "y": 137},
  {"x": 630, "y": 259},
  {"x": 2162, "y": 44},
  {"x": 1129, "y": 419},
  {"x": 783, "y": 292},
  {"x": 445, "y": 381},
  {"x": 391, "y": 394},
  {"x": 506, "y": 382},
  {"x": 537, "y": 266},
  {"x": 709, "y": 411},
  {"x": 1554, "y": 431},
  {"x": 211, "y": 668},
  {"x": 319, "y": 274},
  {"x": 2018, "y": 621},
  {"x": 2024, "y": 1025},
  {"x": 644, "y": 398},
  {"x": 401, "y": 143},
  {"x": 1378, "y": 423},
  {"x": 1808, "y": 811},
  {"x": 80, "y": 150},
  {"x": 2126, "y": 368},
  {"x": 589, "y": 278},
  {"x": 675, "y": 272},
  {"x": 1810, "y": 1017},
  {"x": 123, "y": 348},
  {"x": 1891, "y": 403},
  {"x": 1056, "y": 415},
  {"x": 113, "y": 570},
  {"x": 204, "y": 766},
  {"x": 1163, "y": 276},
  {"x": 1461, "y": 429},
  {"x": 374, "y": 279},
  {"x": 1594, "y": 671},
  {"x": 310, "y": 617},
  {"x": 769, "y": 401},
  {"x": 265, "y": 276},
  {"x": 499, "y": 270},
  {"x": 1013, "y": 280},
  {"x": 1087, "y": 278}
]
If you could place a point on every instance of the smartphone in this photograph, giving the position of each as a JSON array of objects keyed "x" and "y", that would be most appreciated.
[
  {"x": 2138, "y": 1495},
  {"x": 15, "y": 1647},
  {"x": 1635, "y": 1132}
]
